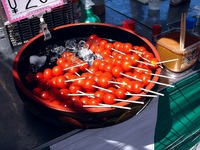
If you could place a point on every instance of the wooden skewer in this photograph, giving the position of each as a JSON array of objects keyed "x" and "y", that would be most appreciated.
[
  {"x": 88, "y": 70},
  {"x": 115, "y": 106},
  {"x": 72, "y": 80},
  {"x": 152, "y": 92},
  {"x": 137, "y": 52},
  {"x": 81, "y": 94},
  {"x": 159, "y": 75},
  {"x": 118, "y": 51},
  {"x": 85, "y": 93},
  {"x": 146, "y": 63},
  {"x": 129, "y": 101},
  {"x": 161, "y": 83},
  {"x": 77, "y": 74},
  {"x": 117, "y": 82},
  {"x": 170, "y": 77},
  {"x": 101, "y": 88},
  {"x": 74, "y": 66},
  {"x": 95, "y": 106},
  {"x": 141, "y": 95},
  {"x": 137, "y": 68},
  {"x": 166, "y": 61},
  {"x": 131, "y": 77}
]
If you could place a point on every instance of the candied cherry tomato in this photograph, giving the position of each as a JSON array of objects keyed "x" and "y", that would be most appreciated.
[
  {"x": 66, "y": 64},
  {"x": 134, "y": 59},
  {"x": 52, "y": 82},
  {"x": 103, "y": 43},
  {"x": 109, "y": 98},
  {"x": 109, "y": 46},
  {"x": 105, "y": 53},
  {"x": 93, "y": 69},
  {"x": 88, "y": 85},
  {"x": 120, "y": 93},
  {"x": 74, "y": 88},
  {"x": 66, "y": 54},
  {"x": 74, "y": 70},
  {"x": 142, "y": 49},
  {"x": 145, "y": 78},
  {"x": 154, "y": 62},
  {"x": 45, "y": 95},
  {"x": 85, "y": 100},
  {"x": 98, "y": 49},
  {"x": 78, "y": 103},
  {"x": 60, "y": 61},
  {"x": 37, "y": 91},
  {"x": 39, "y": 77},
  {"x": 116, "y": 71},
  {"x": 147, "y": 55},
  {"x": 112, "y": 89},
  {"x": 137, "y": 85},
  {"x": 64, "y": 94},
  {"x": 97, "y": 62},
  {"x": 57, "y": 71},
  {"x": 93, "y": 37},
  {"x": 99, "y": 94},
  {"x": 48, "y": 73},
  {"x": 93, "y": 101},
  {"x": 108, "y": 67},
  {"x": 102, "y": 65},
  {"x": 126, "y": 65},
  {"x": 127, "y": 48},
  {"x": 68, "y": 75},
  {"x": 118, "y": 62},
  {"x": 93, "y": 47},
  {"x": 129, "y": 87},
  {"x": 104, "y": 81},
  {"x": 60, "y": 82}
]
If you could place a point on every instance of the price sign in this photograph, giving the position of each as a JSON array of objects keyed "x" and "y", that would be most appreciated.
[{"x": 19, "y": 9}]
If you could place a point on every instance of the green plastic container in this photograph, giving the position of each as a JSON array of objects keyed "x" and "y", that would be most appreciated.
[{"x": 178, "y": 123}]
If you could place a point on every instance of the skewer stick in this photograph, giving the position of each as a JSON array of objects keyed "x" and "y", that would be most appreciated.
[
  {"x": 111, "y": 56},
  {"x": 152, "y": 92},
  {"x": 115, "y": 106},
  {"x": 85, "y": 93},
  {"x": 117, "y": 82},
  {"x": 159, "y": 75},
  {"x": 77, "y": 74},
  {"x": 130, "y": 77},
  {"x": 75, "y": 66},
  {"x": 137, "y": 52},
  {"x": 166, "y": 61},
  {"x": 129, "y": 101},
  {"x": 161, "y": 83},
  {"x": 170, "y": 77},
  {"x": 88, "y": 70},
  {"x": 138, "y": 68},
  {"x": 75, "y": 79},
  {"x": 141, "y": 95},
  {"x": 146, "y": 63},
  {"x": 118, "y": 51},
  {"x": 81, "y": 94},
  {"x": 95, "y": 106},
  {"x": 101, "y": 88}
]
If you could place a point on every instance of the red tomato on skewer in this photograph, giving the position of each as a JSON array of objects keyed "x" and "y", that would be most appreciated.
[
  {"x": 120, "y": 93},
  {"x": 109, "y": 98}
]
